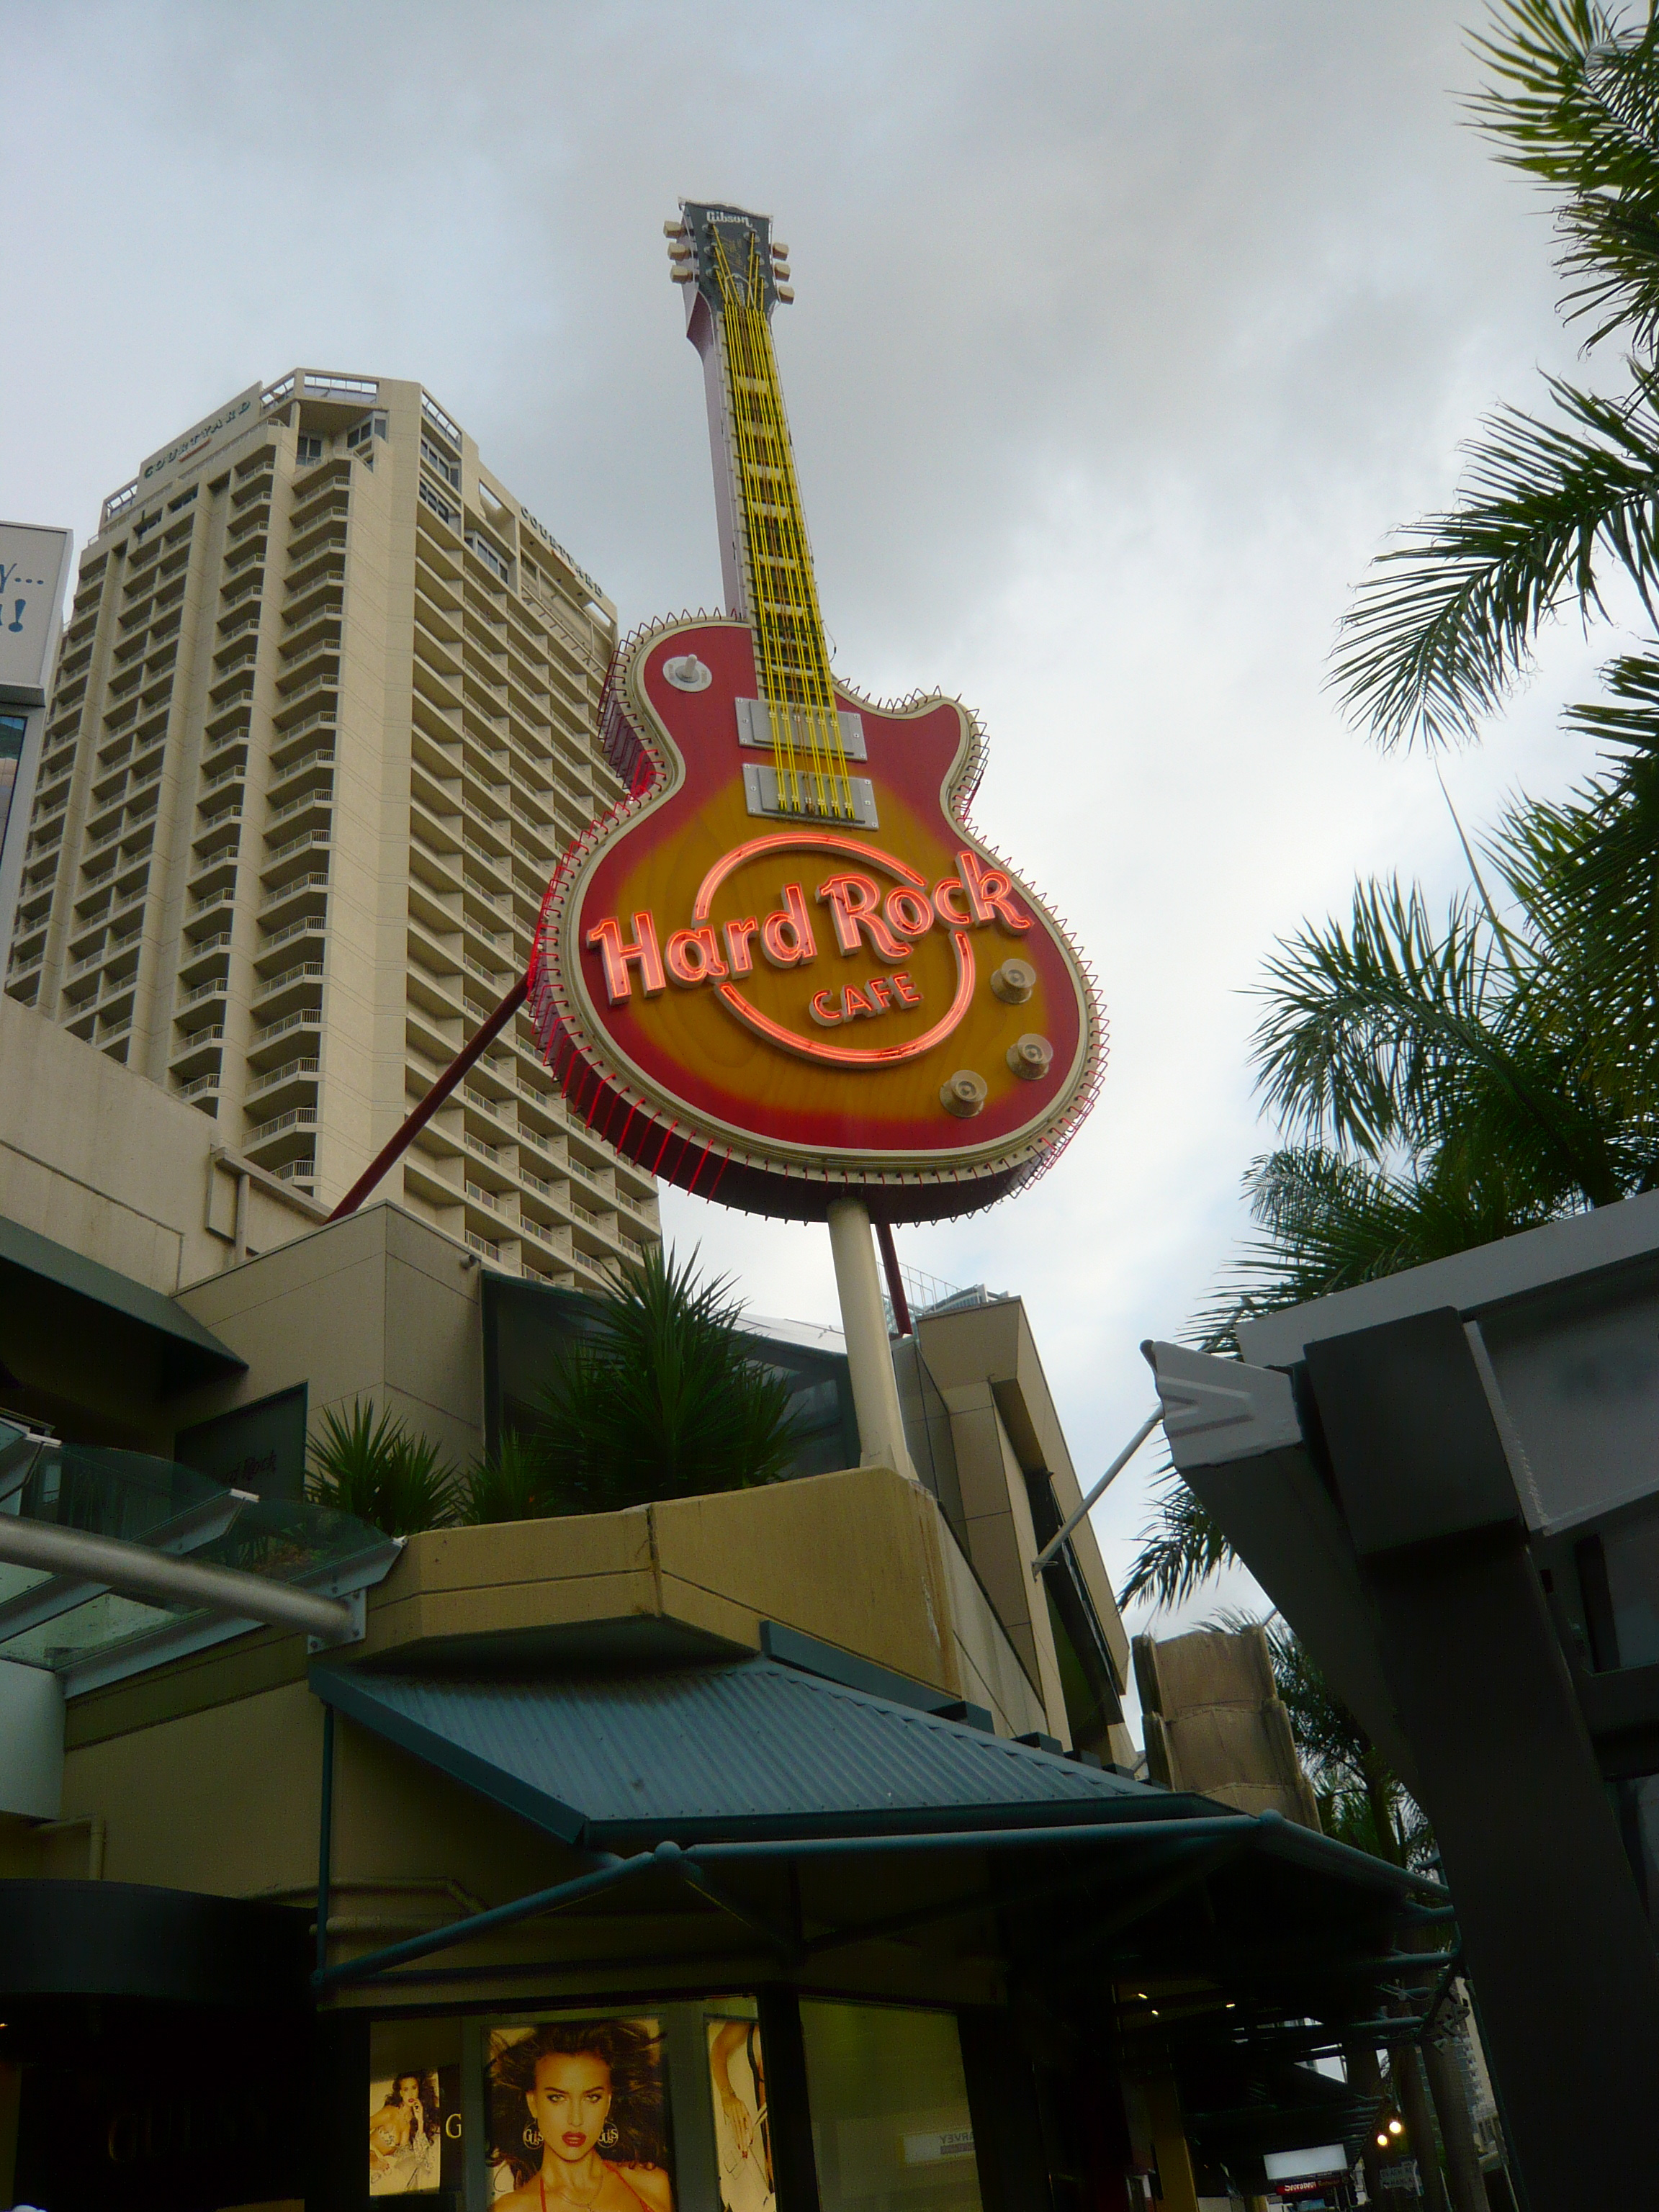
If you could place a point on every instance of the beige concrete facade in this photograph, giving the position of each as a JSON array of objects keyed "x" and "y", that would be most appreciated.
[
  {"x": 382, "y": 1306},
  {"x": 322, "y": 724},
  {"x": 98, "y": 1159},
  {"x": 1005, "y": 1434}
]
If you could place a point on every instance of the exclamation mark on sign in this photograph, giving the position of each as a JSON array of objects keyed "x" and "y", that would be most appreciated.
[{"x": 18, "y": 622}]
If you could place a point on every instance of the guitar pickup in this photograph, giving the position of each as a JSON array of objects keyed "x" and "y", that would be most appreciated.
[
  {"x": 759, "y": 789},
  {"x": 755, "y": 728}
]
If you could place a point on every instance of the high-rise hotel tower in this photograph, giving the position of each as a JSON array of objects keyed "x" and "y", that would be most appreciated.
[{"x": 323, "y": 722}]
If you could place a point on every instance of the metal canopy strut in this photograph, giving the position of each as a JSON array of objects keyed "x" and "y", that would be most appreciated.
[{"x": 1205, "y": 1841}]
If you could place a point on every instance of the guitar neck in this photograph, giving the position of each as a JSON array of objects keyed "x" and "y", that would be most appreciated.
[{"x": 733, "y": 269}]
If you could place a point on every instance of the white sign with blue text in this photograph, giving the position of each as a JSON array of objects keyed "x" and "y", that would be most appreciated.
[{"x": 33, "y": 563}]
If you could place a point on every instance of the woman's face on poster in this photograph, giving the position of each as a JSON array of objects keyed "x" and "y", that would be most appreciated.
[
  {"x": 409, "y": 2088},
  {"x": 571, "y": 2101}
]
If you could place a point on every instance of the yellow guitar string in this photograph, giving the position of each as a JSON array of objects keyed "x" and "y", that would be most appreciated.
[{"x": 793, "y": 654}]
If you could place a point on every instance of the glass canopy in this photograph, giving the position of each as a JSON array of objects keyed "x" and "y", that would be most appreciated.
[{"x": 87, "y": 1633}]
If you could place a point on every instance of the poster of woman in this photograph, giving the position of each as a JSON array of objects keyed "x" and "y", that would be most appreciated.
[
  {"x": 743, "y": 2133},
  {"x": 579, "y": 2119},
  {"x": 405, "y": 2134}
]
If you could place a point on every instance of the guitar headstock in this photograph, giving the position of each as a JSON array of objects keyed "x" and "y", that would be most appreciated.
[{"x": 703, "y": 233}]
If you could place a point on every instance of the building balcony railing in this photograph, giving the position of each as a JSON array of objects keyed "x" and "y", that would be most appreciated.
[
  {"x": 297, "y": 1117},
  {"x": 291, "y": 1071}
]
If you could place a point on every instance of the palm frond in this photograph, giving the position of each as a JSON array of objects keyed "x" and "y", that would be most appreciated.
[
  {"x": 1573, "y": 100},
  {"x": 1445, "y": 625},
  {"x": 376, "y": 1469},
  {"x": 663, "y": 1400},
  {"x": 1588, "y": 868},
  {"x": 1364, "y": 1018},
  {"x": 1331, "y": 1222},
  {"x": 1387, "y": 1035},
  {"x": 1181, "y": 1547}
]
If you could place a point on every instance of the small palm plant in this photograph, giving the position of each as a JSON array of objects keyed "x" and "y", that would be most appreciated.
[
  {"x": 376, "y": 1469},
  {"x": 508, "y": 1485},
  {"x": 662, "y": 1398}
]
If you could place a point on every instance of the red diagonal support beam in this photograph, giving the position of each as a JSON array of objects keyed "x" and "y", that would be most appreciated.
[
  {"x": 461, "y": 1066},
  {"x": 896, "y": 1297}
]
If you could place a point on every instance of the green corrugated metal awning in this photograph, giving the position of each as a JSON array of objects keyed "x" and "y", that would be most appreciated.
[
  {"x": 748, "y": 1747},
  {"x": 189, "y": 1353}
]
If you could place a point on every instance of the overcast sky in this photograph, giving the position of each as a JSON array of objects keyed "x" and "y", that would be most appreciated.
[{"x": 1124, "y": 335}]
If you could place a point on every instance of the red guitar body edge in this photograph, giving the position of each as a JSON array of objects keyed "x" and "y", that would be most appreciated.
[{"x": 678, "y": 754}]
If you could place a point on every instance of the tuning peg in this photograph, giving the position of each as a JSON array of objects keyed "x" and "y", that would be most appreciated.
[
  {"x": 780, "y": 271},
  {"x": 682, "y": 275},
  {"x": 671, "y": 229},
  {"x": 786, "y": 293},
  {"x": 779, "y": 252},
  {"x": 680, "y": 251}
]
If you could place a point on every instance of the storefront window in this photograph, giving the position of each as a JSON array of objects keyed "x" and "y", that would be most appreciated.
[{"x": 890, "y": 2127}]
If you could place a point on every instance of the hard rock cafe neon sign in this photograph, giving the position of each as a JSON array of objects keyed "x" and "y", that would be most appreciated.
[{"x": 784, "y": 969}]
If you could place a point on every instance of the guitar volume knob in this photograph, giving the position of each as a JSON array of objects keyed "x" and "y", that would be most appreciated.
[
  {"x": 1031, "y": 1057},
  {"x": 1014, "y": 981},
  {"x": 964, "y": 1093}
]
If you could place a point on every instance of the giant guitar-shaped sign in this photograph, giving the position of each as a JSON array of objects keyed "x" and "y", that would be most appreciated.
[{"x": 783, "y": 969}]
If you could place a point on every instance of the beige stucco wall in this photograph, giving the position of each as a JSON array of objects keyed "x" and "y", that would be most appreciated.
[
  {"x": 100, "y": 1159},
  {"x": 379, "y": 1305},
  {"x": 157, "y": 1766}
]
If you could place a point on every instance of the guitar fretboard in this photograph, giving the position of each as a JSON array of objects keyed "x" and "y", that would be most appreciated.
[{"x": 792, "y": 654}]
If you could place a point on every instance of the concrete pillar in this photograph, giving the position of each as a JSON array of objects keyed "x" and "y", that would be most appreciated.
[
  {"x": 1175, "y": 2161},
  {"x": 869, "y": 1358}
]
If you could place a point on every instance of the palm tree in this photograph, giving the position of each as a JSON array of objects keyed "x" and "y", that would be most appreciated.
[
  {"x": 507, "y": 1484},
  {"x": 662, "y": 1400}
]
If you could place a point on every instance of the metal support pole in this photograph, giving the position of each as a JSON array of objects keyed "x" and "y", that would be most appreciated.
[
  {"x": 160, "y": 1578},
  {"x": 875, "y": 1391},
  {"x": 1100, "y": 1488},
  {"x": 325, "y": 1839}
]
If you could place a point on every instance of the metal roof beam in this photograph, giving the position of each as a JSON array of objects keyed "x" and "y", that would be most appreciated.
[
  {"x": 136, "y": 1571},
  {"x": 186, "y": 1532}
]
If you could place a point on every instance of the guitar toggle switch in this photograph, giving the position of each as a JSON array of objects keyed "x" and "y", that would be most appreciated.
[{"x": 688, "y": 674}]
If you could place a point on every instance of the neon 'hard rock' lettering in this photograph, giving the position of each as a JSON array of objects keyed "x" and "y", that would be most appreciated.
[
  {"x": 854, "y": 902},
  {"x": 607, "y": 938},
  {"x": 972, "y": 898},
  {"x": 787, "y": 937}
]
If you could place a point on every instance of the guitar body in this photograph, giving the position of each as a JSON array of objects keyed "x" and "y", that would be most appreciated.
[{"x": 779, "y": 1009}]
